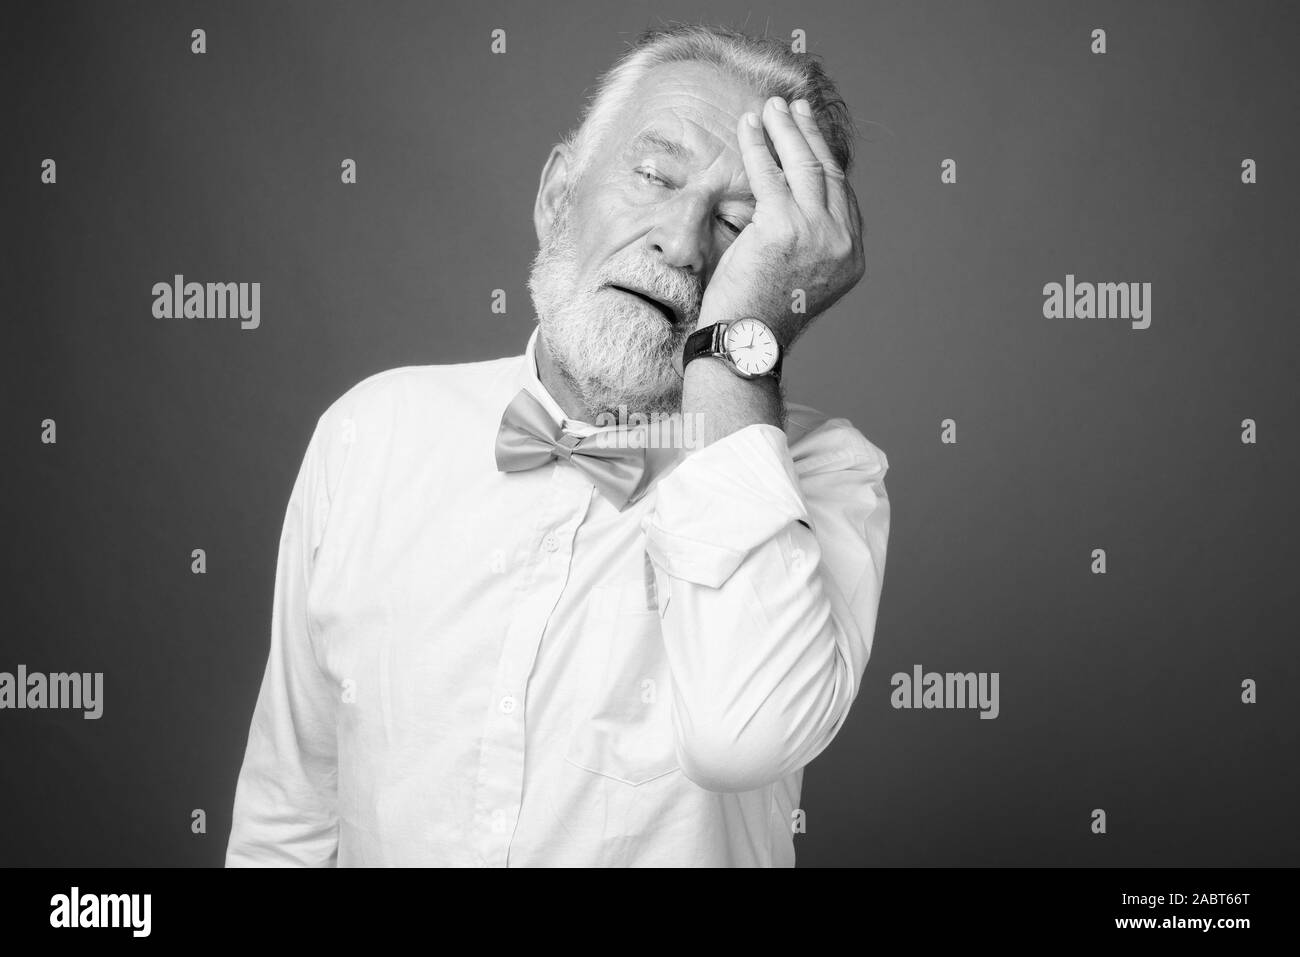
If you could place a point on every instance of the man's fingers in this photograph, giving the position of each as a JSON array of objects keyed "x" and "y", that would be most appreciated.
[
  {"x": 801, "y": 166},
  {"x": 766, "y": 181},
  {"x": 807, "y": 123},
  {"x": 836, "y": 181}
]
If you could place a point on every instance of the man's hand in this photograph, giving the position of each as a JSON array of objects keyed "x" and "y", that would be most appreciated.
[{"x": 806, "y": 232}]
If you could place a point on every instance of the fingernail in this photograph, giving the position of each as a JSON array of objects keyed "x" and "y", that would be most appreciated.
[
  {"x": 801, "y": 107},
  {"x": 752, "y": 120},
  {"x": 780, "y": 104}
]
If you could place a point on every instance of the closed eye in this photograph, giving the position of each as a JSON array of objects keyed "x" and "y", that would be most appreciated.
[{"x": 650, "y": 177}]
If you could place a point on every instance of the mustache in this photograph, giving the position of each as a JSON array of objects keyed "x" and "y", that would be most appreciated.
[{"x": 683, "y": 291}]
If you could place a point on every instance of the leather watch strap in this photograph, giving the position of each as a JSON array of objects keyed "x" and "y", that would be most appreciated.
[{"x": 703, "y": 342}]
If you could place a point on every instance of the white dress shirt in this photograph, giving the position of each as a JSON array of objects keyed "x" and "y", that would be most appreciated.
[{"x": 479, "y": 668}]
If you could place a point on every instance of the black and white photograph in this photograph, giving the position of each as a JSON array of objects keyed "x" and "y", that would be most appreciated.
[{"x": 818, "y": 434}]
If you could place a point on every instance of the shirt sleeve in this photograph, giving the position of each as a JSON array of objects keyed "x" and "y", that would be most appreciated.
[
  {"x": 285, "y": 799},
  {"x": 770, "y": 564}
]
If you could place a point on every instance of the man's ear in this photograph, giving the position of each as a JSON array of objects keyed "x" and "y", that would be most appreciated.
[{"x": 555, "y": 177}]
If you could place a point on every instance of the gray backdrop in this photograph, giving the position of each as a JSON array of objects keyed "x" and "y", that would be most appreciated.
[{"x": 1119, "y": 691}]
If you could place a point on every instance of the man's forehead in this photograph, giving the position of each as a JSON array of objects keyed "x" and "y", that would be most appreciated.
[{"x": 681, "y": 107}]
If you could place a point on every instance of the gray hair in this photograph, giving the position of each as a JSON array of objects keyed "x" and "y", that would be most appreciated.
[{"x": 766, "y": 63}]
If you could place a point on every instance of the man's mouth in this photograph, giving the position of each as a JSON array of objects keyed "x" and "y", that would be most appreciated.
[{"x": 668, "y": 311}]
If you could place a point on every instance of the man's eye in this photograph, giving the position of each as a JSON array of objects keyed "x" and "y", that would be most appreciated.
[
  {"x": 732, "y": 227},
  {"x": 650, "y": 177}
]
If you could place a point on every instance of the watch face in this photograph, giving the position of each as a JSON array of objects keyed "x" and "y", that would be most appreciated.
[{"x": 751, "y": 346}]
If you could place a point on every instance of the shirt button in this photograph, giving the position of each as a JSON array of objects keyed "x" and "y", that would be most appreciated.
[
  {"x": 507, "y": 704},
  {"x": 550, "y": 542}
]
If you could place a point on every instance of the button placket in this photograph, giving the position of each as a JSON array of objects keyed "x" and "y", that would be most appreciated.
[{"x": 500, "y": 779}]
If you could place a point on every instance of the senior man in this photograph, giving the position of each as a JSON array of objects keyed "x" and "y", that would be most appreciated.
[{"x": 499, "y": 637}]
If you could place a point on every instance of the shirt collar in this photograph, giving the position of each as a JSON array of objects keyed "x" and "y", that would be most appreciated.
[
  {"x": 660, "y": 461},
  {"x": 531, "y": 380}
]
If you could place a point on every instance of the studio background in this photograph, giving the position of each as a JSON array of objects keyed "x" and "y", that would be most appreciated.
[{"x": 1119, "y": 691}]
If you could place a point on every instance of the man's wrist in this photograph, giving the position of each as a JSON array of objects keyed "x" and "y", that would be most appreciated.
[{"x": 726, "y": 402}]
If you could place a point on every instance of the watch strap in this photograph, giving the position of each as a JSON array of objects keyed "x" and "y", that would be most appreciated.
[{"x": 704, "y": 342}]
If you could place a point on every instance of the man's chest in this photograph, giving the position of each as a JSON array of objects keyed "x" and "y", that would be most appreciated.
[{"x": 476, "y": 615}]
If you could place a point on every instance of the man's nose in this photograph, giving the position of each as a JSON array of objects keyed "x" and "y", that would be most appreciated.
[{"x": 681, "y": 236}]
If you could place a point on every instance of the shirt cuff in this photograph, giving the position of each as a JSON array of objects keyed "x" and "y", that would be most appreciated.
[{"x": 721, "y": 502}]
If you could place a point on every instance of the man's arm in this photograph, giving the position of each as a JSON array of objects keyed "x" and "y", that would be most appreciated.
[
  {"x": 768, "y": 623},
  {"x": 285, "y": 799},
  {"x": 721, "y": 402},
  {"x": 774, "y": 568}
]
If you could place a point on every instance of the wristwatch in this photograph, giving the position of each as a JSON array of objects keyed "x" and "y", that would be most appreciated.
[{"x": 747, "y": 346}]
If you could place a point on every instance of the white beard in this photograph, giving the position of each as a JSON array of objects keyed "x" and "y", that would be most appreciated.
[{"x": 611, "y": 350}]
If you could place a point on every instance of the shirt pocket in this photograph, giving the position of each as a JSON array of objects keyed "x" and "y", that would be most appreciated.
[{"x": 625, "y": 729}]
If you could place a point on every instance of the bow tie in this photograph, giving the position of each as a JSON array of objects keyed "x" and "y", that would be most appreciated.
[{"x": 529, "y": 437}]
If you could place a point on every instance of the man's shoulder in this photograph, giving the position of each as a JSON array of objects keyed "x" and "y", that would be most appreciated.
[
  {"x": 434, "y": 390},
  {"x": 820, "y": 442}
]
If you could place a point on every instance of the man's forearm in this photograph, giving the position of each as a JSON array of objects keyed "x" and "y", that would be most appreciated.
[{"x": 726, "y": 403}]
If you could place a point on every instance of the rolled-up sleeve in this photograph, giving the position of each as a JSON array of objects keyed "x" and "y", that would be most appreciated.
[
  {"x": 770, "y": 559},
  {"x": 285, "y": 799}
]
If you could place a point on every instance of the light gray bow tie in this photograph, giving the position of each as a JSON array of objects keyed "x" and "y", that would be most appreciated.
[{"x": 529, "y": 438}]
